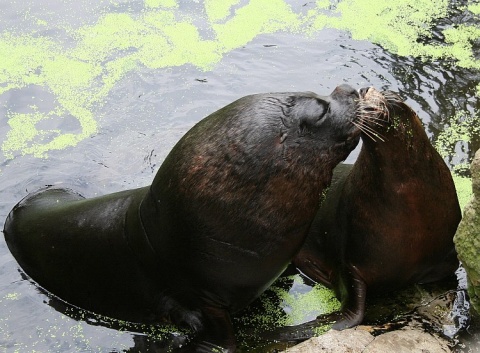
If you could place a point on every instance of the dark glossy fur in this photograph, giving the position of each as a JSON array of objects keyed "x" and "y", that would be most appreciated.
[
  {"x": 227, "y": 211},
  {"x": 387, "y": 221}
]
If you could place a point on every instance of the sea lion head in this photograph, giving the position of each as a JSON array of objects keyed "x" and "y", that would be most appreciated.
[
  {"x": 263, "y": 135},
  {"x": 383, "y": 116},
  {"x": 326, "y": 121}
]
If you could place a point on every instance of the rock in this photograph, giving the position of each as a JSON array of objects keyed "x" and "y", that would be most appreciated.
[
  {"x": 351, "y": 341},
  {"x": 359, "y": 340},
  {"x": 467, "y": 238},
  {"x": 407, "y": 340}
]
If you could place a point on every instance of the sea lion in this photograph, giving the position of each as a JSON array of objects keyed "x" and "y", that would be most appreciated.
[
  {"x": 388, "y": 220},
  {"x": 226, "y": 212}
]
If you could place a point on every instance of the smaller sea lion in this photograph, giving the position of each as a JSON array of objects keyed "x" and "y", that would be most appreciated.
[
  {"x": 228, "y": 209},
  {"x": 386, "y": 221}
]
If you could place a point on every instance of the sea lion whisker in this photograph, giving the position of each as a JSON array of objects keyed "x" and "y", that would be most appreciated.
[
  {"x": 362, "y": 129},
  {"x": 372, "y": 118},
  {"x": 373, "y": 132},
  {"x": 369, "y": 123},
  {"x": 370, "y": 112},
  {"x": 367, "y": 131},
  {"x": 369, "y": 118}
]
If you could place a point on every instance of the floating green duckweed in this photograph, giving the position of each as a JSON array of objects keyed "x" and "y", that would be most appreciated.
[
  {"x": 160, "y": 3},
  {"x": 464, "y": 127},
  {"x": 284, "y": 307},
  {"x": 319, "y": 300},
  {"x": 81, "y": 77},
  {"x": 257, "y": 17},
  {"x": 12, "y": 296},
  {"x": 395, "y": 25},
  {"x": 464, "y": 190},
  {"x": 217, "y": 11},
  {"x": 403, "y": 27}
]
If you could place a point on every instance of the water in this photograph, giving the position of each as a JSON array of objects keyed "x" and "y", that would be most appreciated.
[{"x": 128, "y": 111}]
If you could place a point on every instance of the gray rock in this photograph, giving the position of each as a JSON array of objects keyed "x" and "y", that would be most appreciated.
[
  {"x": 407, "y": 340},
  {"x": 359, "y": 340},
  {"x": 351, "y": 341}
]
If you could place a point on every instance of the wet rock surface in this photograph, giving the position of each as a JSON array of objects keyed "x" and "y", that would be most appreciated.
[
  {"x": 467, "y": 238},
  {"x": 359, "y": 340},
  {"x": 422, "y": 318}
]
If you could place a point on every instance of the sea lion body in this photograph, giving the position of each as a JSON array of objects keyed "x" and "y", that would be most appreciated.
[
  {"x": 226, "y": 212},
  {"x": 388, "y": 220}
]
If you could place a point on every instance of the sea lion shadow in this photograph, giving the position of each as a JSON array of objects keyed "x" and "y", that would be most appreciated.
[{"x": 153, "y": 337}]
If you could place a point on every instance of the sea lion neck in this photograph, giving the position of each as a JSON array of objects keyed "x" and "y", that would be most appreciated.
[{"x": 403, "y": 132}]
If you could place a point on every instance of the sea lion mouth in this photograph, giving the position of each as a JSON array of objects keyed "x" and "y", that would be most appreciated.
[{"x": 373, "y": 111}]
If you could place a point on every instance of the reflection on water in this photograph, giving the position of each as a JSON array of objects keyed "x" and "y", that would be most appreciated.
[{"x": 140, "y": 113}]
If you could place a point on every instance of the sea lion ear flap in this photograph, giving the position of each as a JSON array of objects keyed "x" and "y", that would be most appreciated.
[{"x": 308, "y": 111}]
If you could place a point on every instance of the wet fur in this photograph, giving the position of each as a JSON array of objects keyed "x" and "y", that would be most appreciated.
[
  {"x": 228, "y": 209},
  {"x": 387, "y": 221}
]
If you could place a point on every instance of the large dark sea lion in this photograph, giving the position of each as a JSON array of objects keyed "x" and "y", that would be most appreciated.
[
  {"x": 227, "y": 211},
  {"x": 387, "y": 221}
]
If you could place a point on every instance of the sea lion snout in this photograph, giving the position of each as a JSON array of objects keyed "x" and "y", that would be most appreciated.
[
  {"x": 343, "y": 102},
  {"x": 344, "y": 90}
]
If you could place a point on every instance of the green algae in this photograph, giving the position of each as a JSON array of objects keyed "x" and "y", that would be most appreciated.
[
  {"x": 161, "y": 3},
  {"x": 395, "y": 25},
  {"x": 82, "y": 76},
  {"x": 404, "y": 27},
  {"x": 474, "y": 8},
  {"x": 464, "y": 128},
  {"x": 319, "y": 300},
  {"x": 281, "y": 306},
  {"x": 463, "y": 186},
  {"x": 39, "y": 61},
  {"x": 258, "y": 17},
  {"x": 217, "y": 11}
]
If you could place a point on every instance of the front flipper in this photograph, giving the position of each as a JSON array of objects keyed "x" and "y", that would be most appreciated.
[{"x": 352, "y": 291}]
